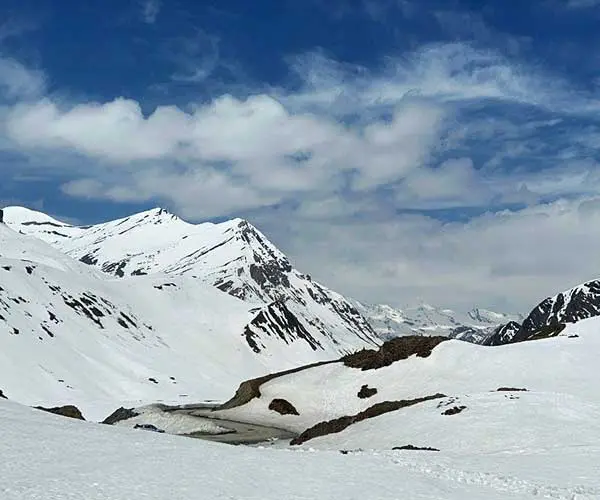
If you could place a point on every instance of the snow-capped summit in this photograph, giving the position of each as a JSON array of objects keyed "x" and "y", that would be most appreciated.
[
  {"x": 71, "y": 333},
  {"x": 426, "y": 319},
  {"x": 233, "y": 256},
  {"x": 573, "y": 305}
]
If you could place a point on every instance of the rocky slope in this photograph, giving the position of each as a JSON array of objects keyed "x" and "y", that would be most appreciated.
[{"x": 549, "y": 316}]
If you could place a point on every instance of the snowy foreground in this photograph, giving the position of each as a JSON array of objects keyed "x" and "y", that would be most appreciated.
[
  {"x": 539, "y": 443},
  {"x": 49, "y": 457}
]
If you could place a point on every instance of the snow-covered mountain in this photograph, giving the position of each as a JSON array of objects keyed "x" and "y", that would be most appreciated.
[
  {"x": 236, "y": 258},
  {"x": 233, "y": 256},
  {"x": 549, "y": 316},
  {"x": 70, "y": 332},
  {"x": 389, "y": 322}
]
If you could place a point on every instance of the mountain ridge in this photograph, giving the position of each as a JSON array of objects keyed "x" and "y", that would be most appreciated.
[{"x": 233, "y": 256}]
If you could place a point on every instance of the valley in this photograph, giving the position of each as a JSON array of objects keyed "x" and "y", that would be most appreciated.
[{"x": 229, "y": 344}]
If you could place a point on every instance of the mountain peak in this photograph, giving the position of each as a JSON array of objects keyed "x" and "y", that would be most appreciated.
[
  {"x": 156, "y": 213},
  {"x": 28, "y": 216}
]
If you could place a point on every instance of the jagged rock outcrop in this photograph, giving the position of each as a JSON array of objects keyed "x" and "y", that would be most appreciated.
[
  {"x": 549, "y": 317},
  {"x": 69, "y": 411}
]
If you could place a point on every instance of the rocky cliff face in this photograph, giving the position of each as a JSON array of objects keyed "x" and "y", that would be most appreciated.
[{"x": 549, "y": 316}]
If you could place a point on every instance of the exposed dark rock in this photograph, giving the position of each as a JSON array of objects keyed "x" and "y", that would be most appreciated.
[
  {"x": 36, "y": 223},
  {"x": 47, "y": 330},
  {"x": 510, "y": 389},
  {"x": 502, "y": 334},
  {"x": 416, "y": 448},
  {"x": 116, "y": 268},
  {"x": 277, "y": 318},
  {"x": 80, "y": 308},
  {"x": 283, "y": 407},
  {"x": 148, "y": 427},
  {"x": 454, "y": 410},
  {"x": 153, "y": 380},
  {"x": 89, "y": 259},
  {"x": 339, "y": 424},
  {"x": 250, "y": 389},
  {"x": 120, "y": 414},
  {"x": 366, "y": 392},
  {"x": 66, "y": 411},
  {"x": 549, "y": 317},
  {"x": 393, "y": 350},
  {"x": 2, "y": 396},
  {"x": 568, "y": 307}
]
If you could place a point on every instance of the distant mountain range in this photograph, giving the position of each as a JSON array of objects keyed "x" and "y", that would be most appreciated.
[{"x": 473, "y": 326}]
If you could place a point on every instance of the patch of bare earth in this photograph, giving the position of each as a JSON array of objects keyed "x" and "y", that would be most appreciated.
[
  {"x": 366, "y": 392},
  {"x": 120, "y": 414},
  {"x": 283, "y": 407},
  {"x": 415, "y": 448},
  {"x": 454, "y": 410},
  {"x": 69, "y": 411},
  {"x": 339, "y": 424},
  {"x": 393, "y": 350}
]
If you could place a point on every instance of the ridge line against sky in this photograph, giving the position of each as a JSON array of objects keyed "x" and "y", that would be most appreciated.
[{"x": 396, "y": 150}]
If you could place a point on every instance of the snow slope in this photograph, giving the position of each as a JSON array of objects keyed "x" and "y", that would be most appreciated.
[
  {"x": 72, "y": 334},
  {"x": 560, "y": 408},
  {"x": 232, "y": 256},
  {"x": 96, "y": 462}
]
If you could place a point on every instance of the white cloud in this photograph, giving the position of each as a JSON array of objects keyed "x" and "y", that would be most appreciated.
[
  {"x": 506, "y": 260},
  {"x": 338, "y": 158},
  {"x": 115, "y": 131},
  {"x": 253, "y": 142},
  {"x": 19, "y": 82},
  {"x": 582, "y": 4},
  {"x": 453, "y": 73},
  {"x": 150, "y": 10}
]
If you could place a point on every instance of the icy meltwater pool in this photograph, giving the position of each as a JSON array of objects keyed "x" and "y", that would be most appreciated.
[{"x": 197, "y": 422}]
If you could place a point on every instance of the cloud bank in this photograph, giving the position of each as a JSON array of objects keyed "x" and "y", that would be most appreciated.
[{"x": 448, "y": 175}]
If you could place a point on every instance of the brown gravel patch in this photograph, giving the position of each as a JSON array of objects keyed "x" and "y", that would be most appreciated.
[
  {"x": 283, "y": 407},
  {"x": 393, "y": 350}
]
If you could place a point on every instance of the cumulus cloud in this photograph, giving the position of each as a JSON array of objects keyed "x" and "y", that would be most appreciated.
[
  {"x": 19, "y": 82},
  {"x": 343, "y": 157},
  {"x": 255, "y": 142},
  {"x": 508, "y": 260}
]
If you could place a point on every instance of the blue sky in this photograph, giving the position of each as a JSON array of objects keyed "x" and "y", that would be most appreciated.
[{"x": 400, "y": 151}]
